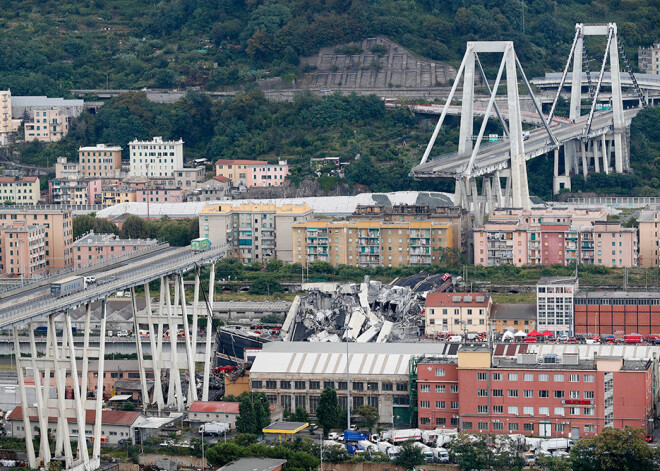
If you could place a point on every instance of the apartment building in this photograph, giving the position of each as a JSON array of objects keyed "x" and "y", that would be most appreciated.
[
  {"x": 100, "y": 161},
  {"x": 92, "y": 248},
  {"x": 46, "y": 125},
  {"x": 58, "y": 225},
  {"x": 66, "y": 170},
  {"x": 554, "y": 305},
  {"x": 74, "y": 191},
  {"x": 454, "y": 216},
  {"x": 457, "y": 313},
  {"x": 22, "y": 250},
  {"x": 617, "y": 312},
  {"x": 213, "y": 189},
  {"x": 546, "y": 396},
  {"x": 368, "y": 243},
  {"x": 648, "y": 59},
  {"x": 255, "y": 232},
  {"x": 112, "y": 196},
  {"x": 8, "y": 125},
  {"x": 548, "y": 237},
  {"x": 253, "y": 173},
  {"x": 506, "y": 316},
  {"x": 649, "y": 236},
  {"x": 189, "y": 178},
  {"x": 155, "y": 158},
  {"x": 294, "y": 374},
  {"x": 159, "y": 195},
  {"x": 20, "y": 190}
]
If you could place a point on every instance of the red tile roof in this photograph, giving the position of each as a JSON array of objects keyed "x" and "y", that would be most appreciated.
[
  {"x": 241, "y": 162},
  {"x": 447, "y": 299},
  {"x": 110, "y": 417},
  {"x": 220, "y": 178},
  {"x": 214, "y": 406},
  {"x": 18, "y": 180}
]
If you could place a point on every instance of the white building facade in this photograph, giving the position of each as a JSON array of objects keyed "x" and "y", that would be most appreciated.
[
  {"x": 155, "y": 158},
  {"x": 554, "y": 304}
]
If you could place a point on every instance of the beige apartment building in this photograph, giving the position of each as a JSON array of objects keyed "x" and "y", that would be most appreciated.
[
  {"x": 371, "y": 243},
  {"x": 58, "y": 231},
  {"x": 457, "y": 313},
  {"x": 255, "y": 232},
  {"x": 46, "y": 125},
  {"x": 22, "y": 250},
  {"x": 100, "y": 161},
  {"x": 20, "y": 190},
  {"x": 648, "y": 59},
  {"x": 649, "y": 236},
  {"x": 110, "y": 197},
  {"x": 65, "y": 169},
  {"x": 8, "y": 125}
]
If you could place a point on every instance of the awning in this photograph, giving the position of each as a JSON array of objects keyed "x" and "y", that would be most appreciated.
[
  {"x": 121, "y": 397},
  {"x": 520, "y": 333}
]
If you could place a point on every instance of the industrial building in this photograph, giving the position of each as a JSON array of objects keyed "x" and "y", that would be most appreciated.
[{"x": 293, "y": 374}]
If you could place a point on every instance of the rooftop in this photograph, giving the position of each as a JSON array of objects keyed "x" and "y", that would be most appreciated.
[
  {"x": 214, "y": 406},
  {"x": 513, "y": 311},
  {"x": 109, "y": 239},
  {"x": 99, "y": 147},
  {"x": 241, "y": 162},
  {"x": 18, "y": 179},
  {"x": 557, "y": 280},
  {"x": 617, "y": 294},
  {"x": 582, "y": 364},
  {"x": 457, "y": 299},
  {"x": 285, "y": 427},
  {"x": 252, "y": 207},
  {"x": 109, "y": 417},
  {"x": 254, "y": 464}
]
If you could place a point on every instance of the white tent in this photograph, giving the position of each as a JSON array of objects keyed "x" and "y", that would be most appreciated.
[
  {"x": 508, "y": 335},
  {"x": 520, "y": 333}
]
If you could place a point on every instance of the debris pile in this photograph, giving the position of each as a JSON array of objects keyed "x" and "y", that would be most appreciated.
[{"x": 358, "y": 312}]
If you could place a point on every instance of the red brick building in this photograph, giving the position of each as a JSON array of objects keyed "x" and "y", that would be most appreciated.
[
  {"x": 548, "y": 397},
  {"x": 617, "y": 313}
]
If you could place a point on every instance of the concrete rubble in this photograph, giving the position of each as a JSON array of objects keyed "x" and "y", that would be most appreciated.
[{"x": 361, "y": 312}]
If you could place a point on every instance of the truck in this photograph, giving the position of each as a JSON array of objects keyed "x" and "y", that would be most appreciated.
[
  {"x": 440, "y": 455},
  {"x": 427, "y": 451},
  {"x": 554, "y": 444},
  {"x": 214, "y": 428},
  {"x": 398, "y": 436},
  {"x": 393, "y": 451},
  {"x": 384, "y": 446},
  {"x": 67, "y": 286},
  {"x": 351, "y": 436},
  {"x": 200, "y": 244}
]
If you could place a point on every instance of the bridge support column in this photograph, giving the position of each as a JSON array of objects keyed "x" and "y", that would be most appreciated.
[
  {"x": 209, "y": 328},
  {"x": 70, "y": 405},
  {"x": 604, "y": 154},
  {"x": 585, "y": 167},
  {"x": 561, "y": 182}
]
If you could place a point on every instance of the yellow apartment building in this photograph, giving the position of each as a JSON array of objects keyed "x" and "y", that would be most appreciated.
[
  {"x": 100, "y": 161},
  {"x": 112, "y": 197},
  {"x": 371, "y": 243},
  {"x": 25, "y": 190}
]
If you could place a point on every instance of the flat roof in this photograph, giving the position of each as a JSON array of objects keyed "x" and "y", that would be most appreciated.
[
  {"x": 254, "y": 464},
  {"x": 285, "y": 427},
  {"x": 557, "y": 280},
  {"x": 618, "y": 294},
  {"x": 513, "y": 311}
]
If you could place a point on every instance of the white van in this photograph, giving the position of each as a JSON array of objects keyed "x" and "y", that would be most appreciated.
[{"x": 455, "y": 339}]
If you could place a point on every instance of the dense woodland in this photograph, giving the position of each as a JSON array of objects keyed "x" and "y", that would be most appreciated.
[{"x": 49, "y": 46}]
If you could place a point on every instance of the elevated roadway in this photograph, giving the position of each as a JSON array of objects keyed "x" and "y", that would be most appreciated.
[
  {"x": 495, "y": 156},
  {"x": 26, "y": 308},
  {"x": 646, "y": 82}
]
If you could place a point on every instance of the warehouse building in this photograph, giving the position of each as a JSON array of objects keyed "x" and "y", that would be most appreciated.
[{"x": 293, "y": 374}]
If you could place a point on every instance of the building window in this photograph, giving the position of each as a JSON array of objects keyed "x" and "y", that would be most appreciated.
[
  {"x": 528, "y": 427},
  {"x": 440, "y": 421},
  {"x": 328, "y": 384},
  {"x": 544, "y": 377},
  {"x": 482, "y": 376},
  {"x": 559, "y": 394},
  {"x": 589, "y": 428},
  {"x": 513, "y": 376},
  {"x": 513, "y": 393},
  {"x": 358, "y": 386},
  {"x": 482, "y": 392},
  {"x": 299, "y": 384},
  {"x": 559, "y": 411},
  {"x": 544, "y": 393},
  {"x": 498, "y": 409},
  {"x": 425, "y": 420},
  {"x": 528, "y": 377},
  {"x": 271, "y": 384},
  {"x": 497, "y": 376},
  {"x": 575, "y": 378},
  {"x": 439, "y": 371},
  {"x": 574, "y": 411},
  {"x": 285, "y": 384},
  {"x": 528, "y": 410},
  {"x": 513, "y": 410},
  {"x": 528, "y": 393},
  {"x": 513, "y": 426},
  {"x": 588, "y": 378},
  {"x": 588, "y": 394},
  {"x": 588, "y": 411},
  {"x": 544, "y": 411},
  {"x": 498, "y": 426},
  {"x": 314, "y": 385},
  {"x": 498, "y": 392},
  {"x": 256, "y": 384},
  {"x": 483, "y": 426},
  {"x": 341, "y": 386},
  {"x": 372, "y": 386},
  {"x": 467, "y": 425},
  {"x": 559, "y": 378},
  {"x": 482, "y": 409},
  {"x": 440, "y": 388},
  {"x": 424, "y": 388},
  {"x": 402, "y": 386},
  {"x": 453, "y": 388},
  {"x": 440, "y": 404},
  {"x": 424, "y": 404},
  {"x": 454, "y": 404},
  {"x": 387, "y": 386}
]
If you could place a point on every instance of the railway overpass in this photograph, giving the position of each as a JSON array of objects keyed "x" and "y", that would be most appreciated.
[{"x": 162, "y": 321}]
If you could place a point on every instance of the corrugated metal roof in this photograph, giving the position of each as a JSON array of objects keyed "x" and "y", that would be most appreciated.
[
  {"x": 214, "y": 406},
  {"x": 319, "y": 358}
]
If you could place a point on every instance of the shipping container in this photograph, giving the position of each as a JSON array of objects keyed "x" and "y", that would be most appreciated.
[{"x": 67, "y": 286}]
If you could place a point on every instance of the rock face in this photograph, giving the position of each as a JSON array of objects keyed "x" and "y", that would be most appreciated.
[{"x": 373, "y": 63}]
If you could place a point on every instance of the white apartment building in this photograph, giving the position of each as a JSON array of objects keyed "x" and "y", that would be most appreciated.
[
  {"x": 554, "y": 304},
  {"x": 8, "y": 125},
  {"x": 156, "y": 158}
]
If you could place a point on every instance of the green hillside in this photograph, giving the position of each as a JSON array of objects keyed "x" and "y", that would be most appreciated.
[{"x": 49, "y": 47}]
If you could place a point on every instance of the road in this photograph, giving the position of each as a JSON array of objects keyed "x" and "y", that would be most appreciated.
[
  {"x": 134, "y": 273},
  {"x": 496, "y": 156}
]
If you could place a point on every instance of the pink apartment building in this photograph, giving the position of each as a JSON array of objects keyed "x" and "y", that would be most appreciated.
[
  {"x": 550, "y": 237},
  {"x": 92, "y": 248},
  {"x": 253, "y": 172},
  {"x": 22, "y": 250}
]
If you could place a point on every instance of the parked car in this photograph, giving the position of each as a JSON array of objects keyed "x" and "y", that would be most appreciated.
[{"x": 90, "y": 280}]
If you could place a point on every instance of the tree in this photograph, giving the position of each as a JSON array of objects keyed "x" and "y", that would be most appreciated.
[
  {"x": 134, "y": 228},
  {"x": 299, "y": 415},
  {"x": 128, "y": 406},
  {"x": 328, "y": 412},
  {"x": 246, "y": 422},
  {"x": 261, "y": 412},
  {"x": 89, "y": 222},
  {"x": 266, "y": 284},
  {"x": 368, "y": 416},
  {"x": 470, "y": 453},
  {"x": 409, "y": 455},
  {"x": 613, "y": 450}
]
